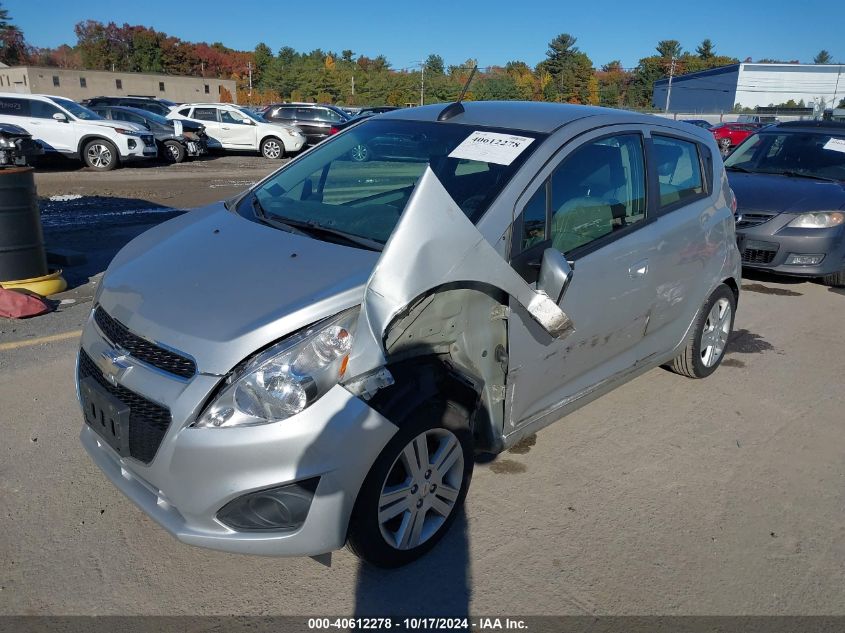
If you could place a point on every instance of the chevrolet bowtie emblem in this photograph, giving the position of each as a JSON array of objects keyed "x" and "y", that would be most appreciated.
[{"x": 114, "y": 364}]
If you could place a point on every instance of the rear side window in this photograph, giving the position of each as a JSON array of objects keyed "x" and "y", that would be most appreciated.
[
  {"x": 14, "y": 107},
  {"x": 185, "y": 111},
  {"x": 205, "y": 114},
  {"x": 678, "y": 169},
  {"x": 306, "y": 114}
]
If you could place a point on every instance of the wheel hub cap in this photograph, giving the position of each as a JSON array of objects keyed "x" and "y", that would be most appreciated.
[
  {"x": 421, "y": 489},
  {"x": 714, "y": 336}
]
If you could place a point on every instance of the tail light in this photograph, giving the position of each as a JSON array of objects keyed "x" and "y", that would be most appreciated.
[{"x": 333, "y": 130}]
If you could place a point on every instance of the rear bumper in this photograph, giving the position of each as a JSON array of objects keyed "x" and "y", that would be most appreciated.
[{"x": 768, "y": 246}]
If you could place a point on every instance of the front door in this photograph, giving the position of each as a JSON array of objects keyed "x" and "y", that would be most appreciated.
[
  {"x": 591, "y": 206},
  {"x": 59, "y": 135},
  {"x": 237, "y": 130}
]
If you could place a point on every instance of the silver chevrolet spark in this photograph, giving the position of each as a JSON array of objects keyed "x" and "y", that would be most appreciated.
[{"x": 315, "y": 362}]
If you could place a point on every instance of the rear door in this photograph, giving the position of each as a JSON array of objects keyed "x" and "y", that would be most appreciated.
[
  {"x": 590, "y": 204},
  {"x": 208, "y": 116}
]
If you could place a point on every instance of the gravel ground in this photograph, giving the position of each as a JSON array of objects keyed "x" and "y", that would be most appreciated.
[{"x": 668, "y": 496}]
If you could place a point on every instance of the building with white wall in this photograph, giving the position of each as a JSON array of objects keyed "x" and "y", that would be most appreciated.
[
  {"x": 752, "y": 85},
  {"x": 83, "y": 84}
]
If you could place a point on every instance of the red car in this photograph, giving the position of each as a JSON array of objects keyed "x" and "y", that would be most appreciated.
[{"x": 730, "y": 135}]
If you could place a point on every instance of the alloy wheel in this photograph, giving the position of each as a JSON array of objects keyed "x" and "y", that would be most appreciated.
[
  {"x": 421, "y": 488},
  {"x": 714, "y": 335},
  {"x": 360, "y": 153},
  {"x": 99, "y": 155},
  {"x": 272, "y": 149}
]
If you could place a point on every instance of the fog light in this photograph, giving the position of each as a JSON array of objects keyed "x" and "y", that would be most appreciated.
[
  {"x": 281, "y": 509},
  {"x": 132, "y": 143},
  {"x": 803, "y": 260}
]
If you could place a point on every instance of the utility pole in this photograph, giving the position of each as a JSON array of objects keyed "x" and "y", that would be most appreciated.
[
  {"x": 669, "y": 89},
  {"x": 249, "y": 67},
  {"x": 353, "y": 87},
  {"x": 422, "y": 83}
]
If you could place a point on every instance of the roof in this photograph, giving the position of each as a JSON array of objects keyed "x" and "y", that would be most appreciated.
[
  {"x": 531, "y": 116},
  {"x": 837, "y": 127}
]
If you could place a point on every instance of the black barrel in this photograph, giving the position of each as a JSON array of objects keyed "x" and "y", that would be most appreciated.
[{"x": 22, "y": 253}]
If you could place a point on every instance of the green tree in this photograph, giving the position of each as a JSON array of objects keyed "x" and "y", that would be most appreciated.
[
  {"x": 262, "y": 59},
  {"x": 823, "y": 57},
  {"x": 434, "y": 64},
  {"x": 669, "y": 48},
  {"x": 706, "y": 49},
  {"x": 560, "y": 52},
  {"x": 13, "y": 47}
]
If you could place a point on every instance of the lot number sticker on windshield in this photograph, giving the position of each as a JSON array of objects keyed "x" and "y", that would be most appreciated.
[
  {"x": 491, "y": 147},
  {"x": 836, "y": 144}
]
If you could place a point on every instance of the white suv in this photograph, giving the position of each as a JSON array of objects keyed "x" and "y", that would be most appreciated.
[
  {"x": 231, "y": 127},
  {"x": 65, "y": 127}
]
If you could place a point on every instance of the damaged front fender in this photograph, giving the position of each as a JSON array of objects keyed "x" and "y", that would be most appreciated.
[{"x": 435, "y": 244}]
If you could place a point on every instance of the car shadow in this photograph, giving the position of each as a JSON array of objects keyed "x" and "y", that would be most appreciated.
[
  {"x": 92, "y": 229},
  {"x": 436, "y": 585}
]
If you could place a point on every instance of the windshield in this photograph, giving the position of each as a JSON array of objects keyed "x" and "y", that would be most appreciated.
[
  {"x": 359, "y": 181},
  {"x": 80, "y": 112},
  {"x": 813, "y": 154}
]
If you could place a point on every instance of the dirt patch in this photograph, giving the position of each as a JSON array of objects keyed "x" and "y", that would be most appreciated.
[
  {"x": 507, "y": 467},
  {"x": 524, "y": 445},
  {"x": 732, "y": 362},
  {"x": 766, "y": 290}
]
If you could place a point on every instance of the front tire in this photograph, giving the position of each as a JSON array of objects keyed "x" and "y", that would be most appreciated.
[
  {"x": 100, "y": 154},
  {"x": 835, "y": 280},
  {"x": 272, "y": 148},
  {"x": 705, "y": 347},
  {"x": 174, "y": 152},
  {"x": 415, "y": 488}
]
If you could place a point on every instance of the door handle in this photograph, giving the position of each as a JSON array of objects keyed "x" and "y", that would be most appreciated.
[
  {"x": 640, "y": 269},
  {"x": 224, "y": 127}
]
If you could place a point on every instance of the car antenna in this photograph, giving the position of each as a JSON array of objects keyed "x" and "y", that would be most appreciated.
[{"x": 454, "y": 109}]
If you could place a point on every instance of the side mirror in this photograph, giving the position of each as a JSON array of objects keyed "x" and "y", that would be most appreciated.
[
  {"x": 555, "y": 274},
  {"x": 60, "y": 116}
]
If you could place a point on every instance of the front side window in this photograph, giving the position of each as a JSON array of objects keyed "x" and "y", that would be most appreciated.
[
  {"x": 43, "y": 110},
  {"x": 678, "y": 169},
  {"x": 231, "y": 116},
  {"x": 205, "y": 114},
  {"x": 598, "y": 189},
  {"x": 359, "y": 182},
  {"x": 808, "y": 154}
]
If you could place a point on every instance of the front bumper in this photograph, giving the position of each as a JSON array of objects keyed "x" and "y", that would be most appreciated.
[
  {"x": 197, "y": 471},
  {"x": 138, "y": 147},
  {"x": 768, "y": 246},
  {"x": 293, "y": 143}
]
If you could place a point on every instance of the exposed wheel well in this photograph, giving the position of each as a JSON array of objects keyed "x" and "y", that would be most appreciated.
[
  {"x": 730, "y": 282},
  {"x": 87, "y": 139}
]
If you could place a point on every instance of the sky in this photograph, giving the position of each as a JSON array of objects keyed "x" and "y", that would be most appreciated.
[{"x": 490, "y": 31}]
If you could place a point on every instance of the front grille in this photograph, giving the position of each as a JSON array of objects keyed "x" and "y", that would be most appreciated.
[
  {"x": 143, "y": 350},
  {"x": 756, "y": 252},
  {"x": 148, "y": 140},
  {"x": 753, "y": 218},
  {"x": 148, "y": 421}
]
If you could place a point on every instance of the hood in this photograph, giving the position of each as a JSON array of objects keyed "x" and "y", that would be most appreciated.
[
  {"x": 785, "y": 194},
  {"x": 218, "y": 287},
  {"x": 124, "y": 125}
]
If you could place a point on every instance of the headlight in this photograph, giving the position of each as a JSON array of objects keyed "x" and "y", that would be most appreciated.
[
  {"x": 4, "y": 142},
  {"x": 121, "y": 130},
  {"x": 285, "y": 379},
  {"x": 818, "y": 220}
]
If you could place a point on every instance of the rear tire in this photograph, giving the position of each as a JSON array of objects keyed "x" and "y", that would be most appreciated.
[
  {"x": 422, "y": 474},
  {"x": 174, "y": 152},
  {"x": 100, "y": 154},
  {"x": 835, "y": 280},
  {"x": 705, "y": 346},
  {"x": 272, "y": 148}
]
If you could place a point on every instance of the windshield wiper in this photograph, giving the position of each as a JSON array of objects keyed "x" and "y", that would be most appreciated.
[
  {"x": 315, "y": 229},
  {"x": 744, "y": 170},
  {"x": 801, "y": 174}
]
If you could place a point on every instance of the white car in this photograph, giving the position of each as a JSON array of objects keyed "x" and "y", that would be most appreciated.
[
  {"x": 231, "y": 127},
  {"x": 65, "y": 127}
]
